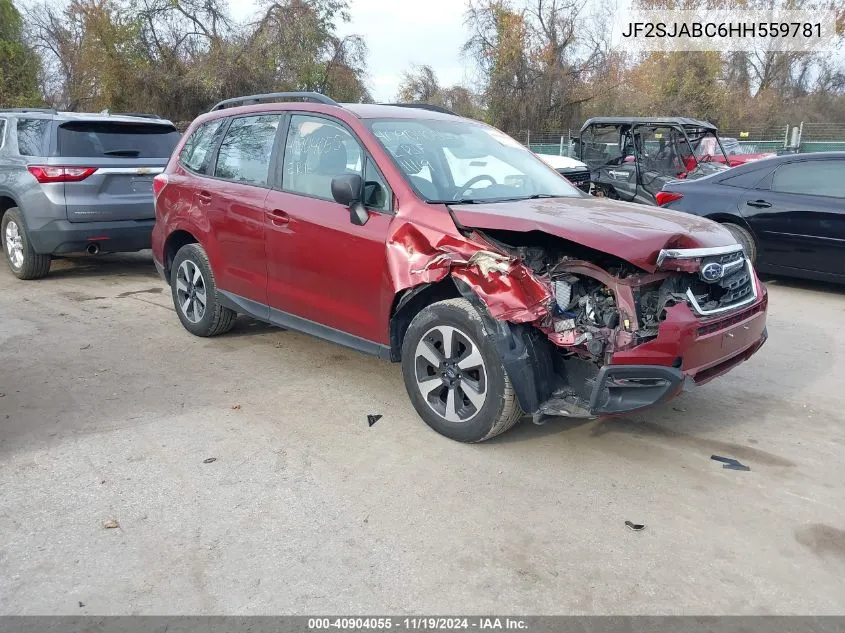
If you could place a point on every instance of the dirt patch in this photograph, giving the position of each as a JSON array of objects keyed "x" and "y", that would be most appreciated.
[{"x": 823, "y": 540}]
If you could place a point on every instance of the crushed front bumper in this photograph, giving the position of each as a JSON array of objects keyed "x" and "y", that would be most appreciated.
[{"x": 622, "y": 388}]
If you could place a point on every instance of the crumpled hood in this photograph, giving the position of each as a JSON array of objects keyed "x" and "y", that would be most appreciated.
[{"x": 633, "y": 232}]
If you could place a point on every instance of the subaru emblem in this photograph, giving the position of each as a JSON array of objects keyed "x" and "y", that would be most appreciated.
[{"x": 712, "y": 271}]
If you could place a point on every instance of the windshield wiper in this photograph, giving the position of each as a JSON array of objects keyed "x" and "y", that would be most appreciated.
[
  {"x": 121, "y": 152},
  {"x": 461, "y": 201}
]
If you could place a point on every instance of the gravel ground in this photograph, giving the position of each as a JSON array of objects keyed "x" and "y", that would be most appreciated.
[{"x": 109, "y": 411}]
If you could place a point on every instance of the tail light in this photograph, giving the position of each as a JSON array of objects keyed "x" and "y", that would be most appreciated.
[
  {"x": 665, "y": 197},
  {"x": 55, "y": 173},
  {"x": 159, "y": 183}
]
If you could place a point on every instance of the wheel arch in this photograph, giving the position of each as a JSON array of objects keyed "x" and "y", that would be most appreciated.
[
  {"x": 408, "y": 303},
  {"x": 7, "y": 202},
  {"x": 176, "y": 240},
  {"x": 526, "y": 355},
  {"x": 730, "y": 218}
]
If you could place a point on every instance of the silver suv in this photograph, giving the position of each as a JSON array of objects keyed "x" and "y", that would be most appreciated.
[{"x": 77, "y": 183}]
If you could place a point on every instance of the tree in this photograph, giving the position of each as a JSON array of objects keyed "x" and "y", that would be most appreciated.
[
  {"x": 419, "y": 84},
  {"x": 538, "y": 63},
  {"x": 179, "y": 57},
  {"x": 19, "y": 63}
]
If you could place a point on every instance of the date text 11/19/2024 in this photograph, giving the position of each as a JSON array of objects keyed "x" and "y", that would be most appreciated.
[{"x": 415, "y": 623}]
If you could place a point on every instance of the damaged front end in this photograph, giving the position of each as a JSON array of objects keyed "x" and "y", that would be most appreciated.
[{"x": 583, "y": 333}]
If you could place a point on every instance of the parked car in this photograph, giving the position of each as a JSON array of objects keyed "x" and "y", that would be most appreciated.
[
  {"x": 788, "y": 211},
  {"x": 573, "y": 170},
  {"x": 631, "y": 158},
  {"x": 731, "y": 153},
  {"x": 499, "y": 299},
  {"x": 73, "y": 182}
]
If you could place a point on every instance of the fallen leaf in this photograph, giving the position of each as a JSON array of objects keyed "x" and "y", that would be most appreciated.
[
  {"x": 209, "y": 460},
  {"x": 85, "y": 346},
  {"x": 111, "y": 524},
  {"x": 236, "y": 407}
]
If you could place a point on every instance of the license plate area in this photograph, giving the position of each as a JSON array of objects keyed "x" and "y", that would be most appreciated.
[{"x": 141, "y": 184}]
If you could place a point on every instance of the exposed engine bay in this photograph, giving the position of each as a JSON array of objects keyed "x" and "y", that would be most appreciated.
[{"x": 602, "y": 304}]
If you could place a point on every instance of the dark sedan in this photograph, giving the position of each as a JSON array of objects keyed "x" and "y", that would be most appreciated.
[{"x": 788, "y": 212}]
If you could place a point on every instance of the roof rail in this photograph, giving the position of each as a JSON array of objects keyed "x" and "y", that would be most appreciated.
[
  {"x": 44, "y": 110},
  {"x": 270, "y": 96},
  {"x": 424, "y": 106},
  {"x": 139, "y": 115}
]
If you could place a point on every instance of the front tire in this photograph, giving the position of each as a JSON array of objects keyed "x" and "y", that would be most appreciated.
[
  {"x": 744, "y": 238},
  {"x": 195, "y": 294},
  {"x": 454, "y": 375},
  {"x": 23, "y": 261}
]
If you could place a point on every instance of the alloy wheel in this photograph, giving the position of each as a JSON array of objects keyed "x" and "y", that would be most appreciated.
[
  {"x": 450, "y": 373},
  {"x": 191, "y": 291},
  {"x": 14, "y": 244}
]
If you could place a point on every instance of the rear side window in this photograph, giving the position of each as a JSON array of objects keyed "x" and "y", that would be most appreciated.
[
  {"x": 244, "y": 154},
  {"x": 812, "y": 178},
  {"x": 2, "y": 132},
  {"x": 98, "y": 139},
  {"x": 748, "y": 180},
  {"x": 197, "y": 150},
  {"x": 31, "y": 135}
]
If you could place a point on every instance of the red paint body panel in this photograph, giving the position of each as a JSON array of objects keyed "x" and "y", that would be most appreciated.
[
  {"x": 735, "y": 160},
  {"x": 633, "y": 232},
  {"x": 326, "y": 269}
]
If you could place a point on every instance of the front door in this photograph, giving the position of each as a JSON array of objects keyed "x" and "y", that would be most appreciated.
[{"x": 322, "y": 268}]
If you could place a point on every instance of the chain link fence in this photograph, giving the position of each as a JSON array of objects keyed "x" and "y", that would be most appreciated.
[{"x": 806, "y": 137}]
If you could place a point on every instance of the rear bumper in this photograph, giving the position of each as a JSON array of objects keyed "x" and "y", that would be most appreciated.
[{"x": 61, "y": 236}]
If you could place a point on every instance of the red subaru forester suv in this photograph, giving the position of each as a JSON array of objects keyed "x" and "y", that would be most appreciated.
[{"x": 441, "y": 243}]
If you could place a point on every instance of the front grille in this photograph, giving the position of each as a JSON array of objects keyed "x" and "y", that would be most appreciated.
[
  {"x": 579, "y": 178},
  {"x": 735, "y": 289},
  {"x": 724, "y": 281}
]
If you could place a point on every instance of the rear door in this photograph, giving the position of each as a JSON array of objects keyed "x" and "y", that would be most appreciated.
[
  {"x": 124, "y": 157},
  {"x": 799, "y": 215},
  {"x": 233, "y": 204}
]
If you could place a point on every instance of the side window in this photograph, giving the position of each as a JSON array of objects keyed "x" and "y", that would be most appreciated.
[
  {"x": 317, "y": 151},
  {"x": 244, "y": 154},
  {"x": 813, "y": 178},
  {"x": 31, "y": 133},
  {"x": 747, "y": 180},
  {"x": 197, "y": 150},
  {"x": 2, "y": 132}
]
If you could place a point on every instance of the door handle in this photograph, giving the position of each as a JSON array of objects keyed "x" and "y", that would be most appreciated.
[
  {"x": 204, "y": 197},
  {"x": 278, "y": 217},
  {"x": 759, "y": 204}
]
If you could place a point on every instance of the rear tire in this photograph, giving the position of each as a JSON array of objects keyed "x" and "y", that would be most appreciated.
[
  {"x": 23, "y": 261},
  {"x": 744, "y": 238},
  {"x": 195, "y": 294},
  {"x": 454, "y": 375}
]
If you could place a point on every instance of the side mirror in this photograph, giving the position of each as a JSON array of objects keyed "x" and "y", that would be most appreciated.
[{"x": 348, "y": 190}]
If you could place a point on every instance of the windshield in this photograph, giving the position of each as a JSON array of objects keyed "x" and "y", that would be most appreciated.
[{"x": 461, "y": 161}]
